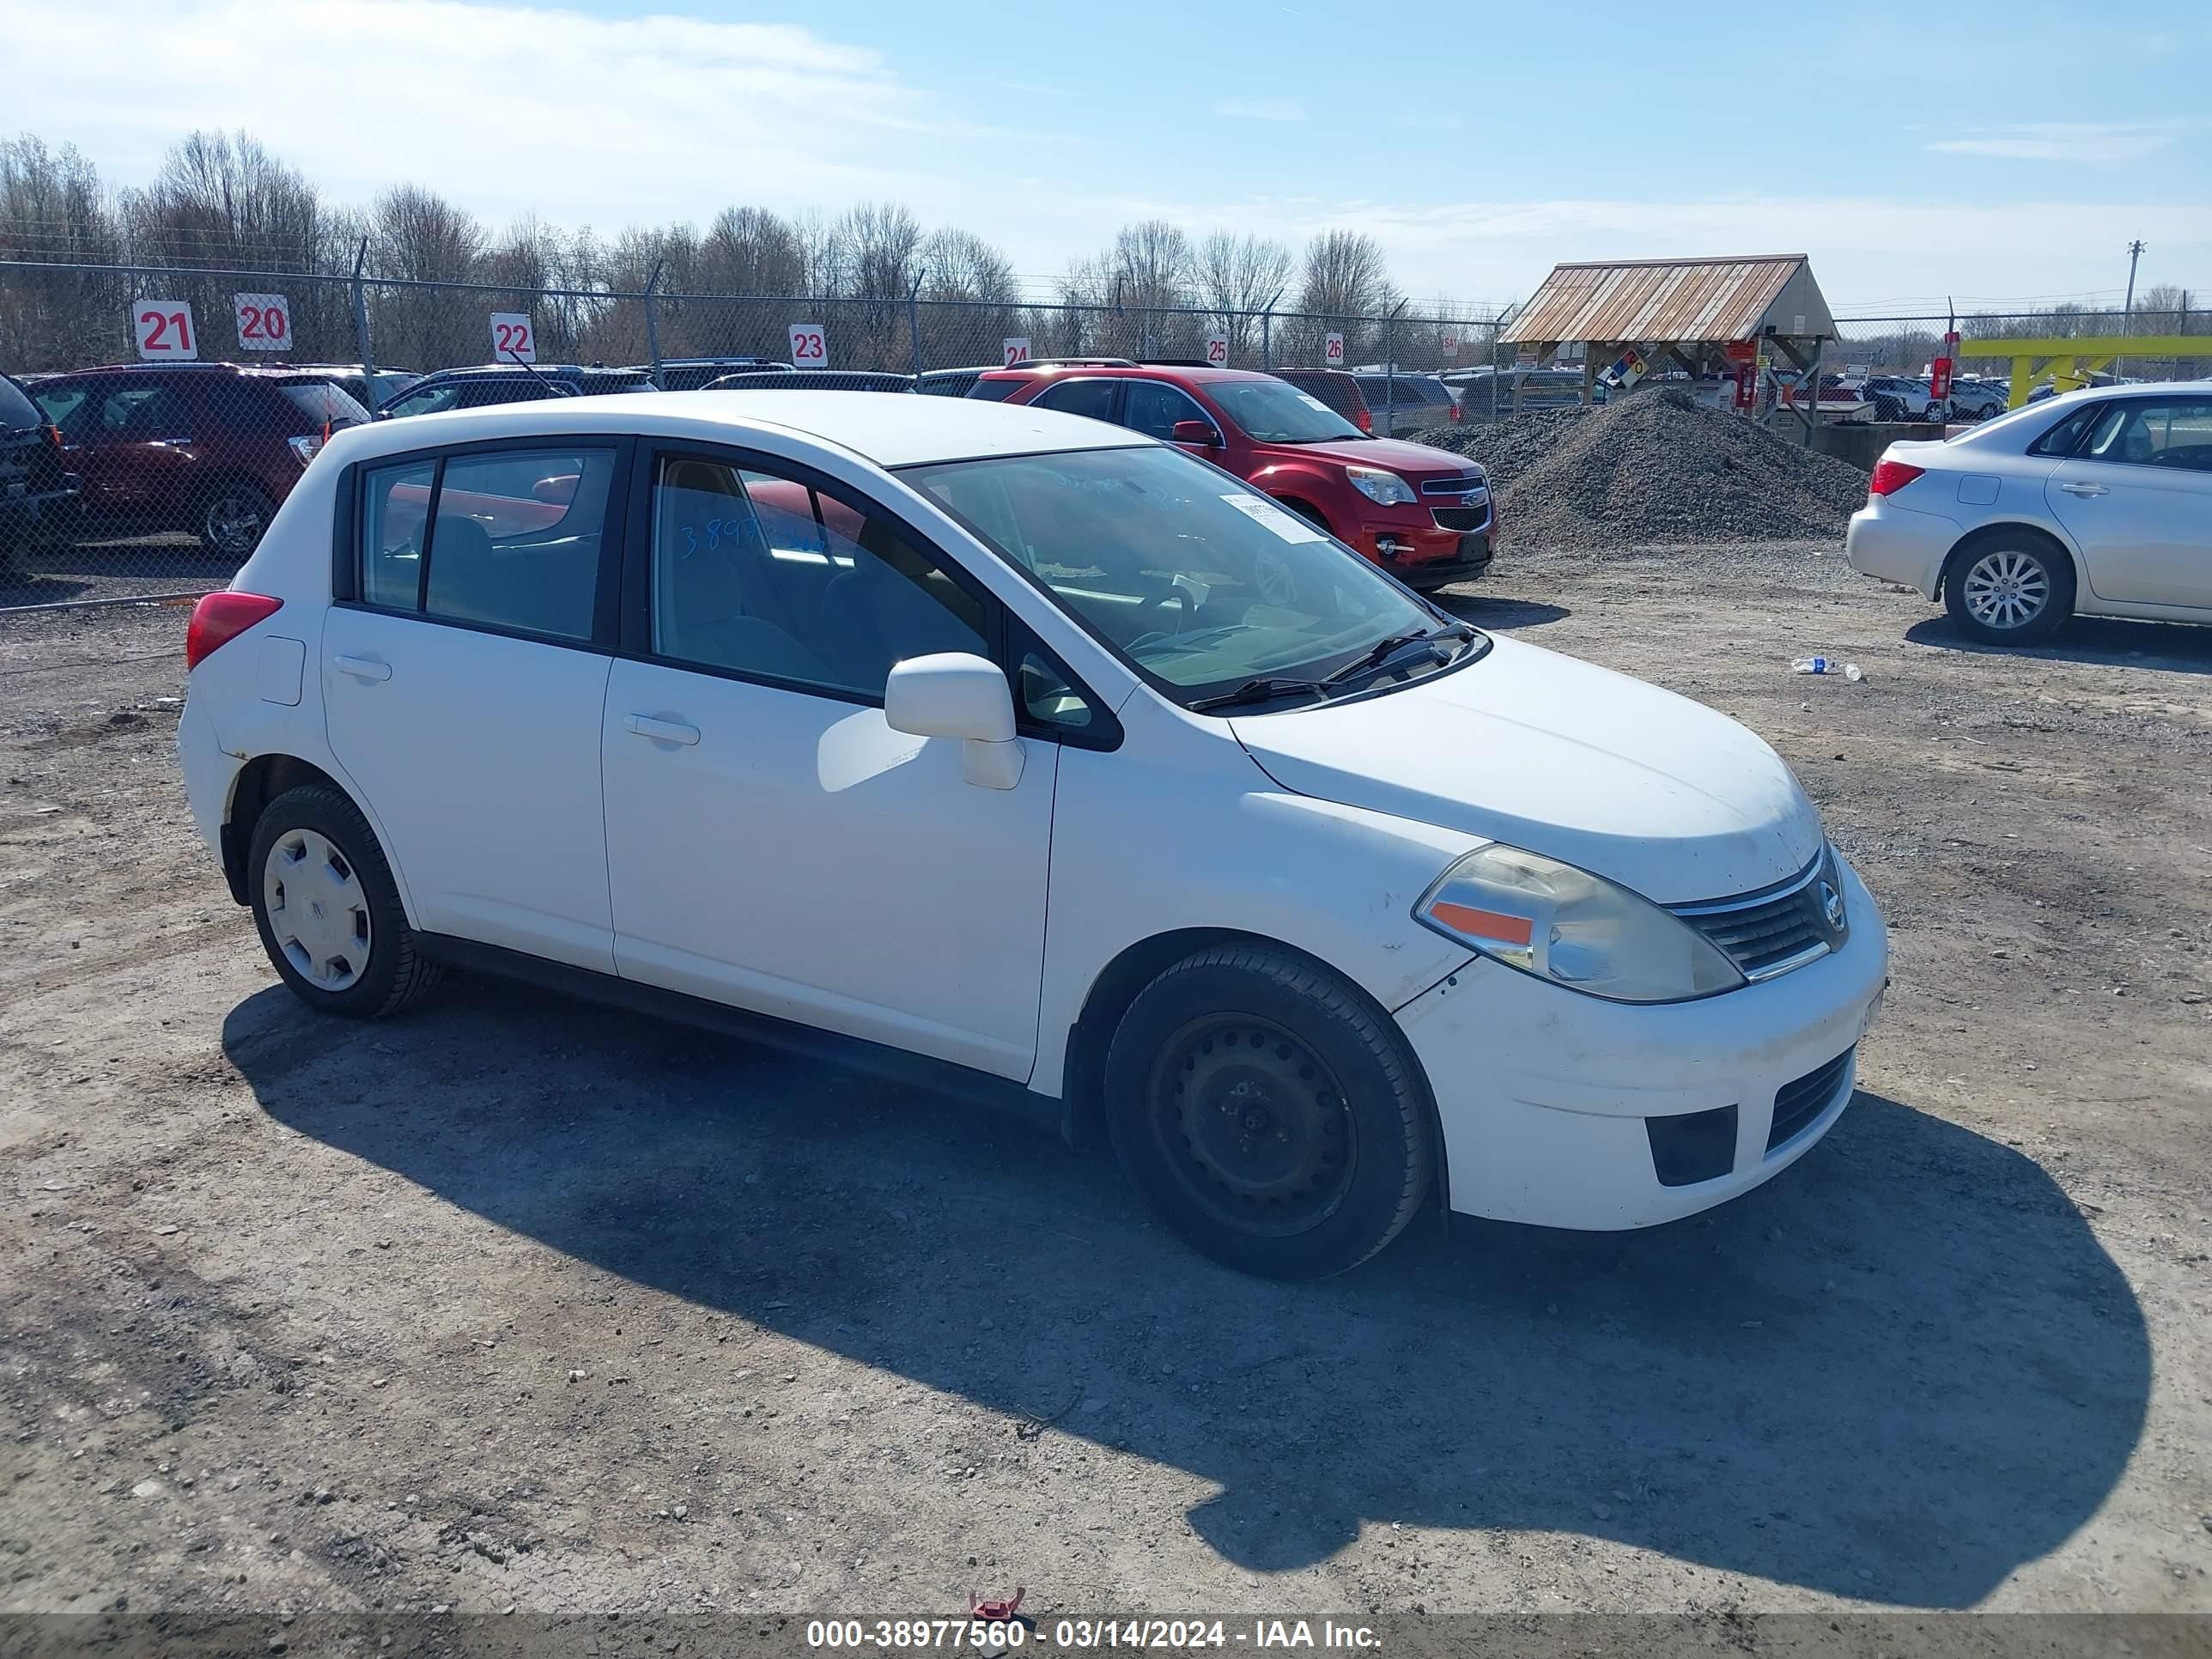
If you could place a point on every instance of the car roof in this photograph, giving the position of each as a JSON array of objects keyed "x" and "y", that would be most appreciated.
[
  {"x": 890, "y": 432},
  {"x": 1198, "y": 373}
]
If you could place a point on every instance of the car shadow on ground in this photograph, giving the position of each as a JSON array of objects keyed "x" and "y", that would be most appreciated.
[
  {"x": 1897, "y": 1373},
  {"x": 1484, "y": 611},
  {"x": 2107, "y": 642}
]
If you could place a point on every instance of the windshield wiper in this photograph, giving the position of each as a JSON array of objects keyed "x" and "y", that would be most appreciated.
[
  {"x": 1265, "y": 690},
  {"x": 1383, "y": 650}
]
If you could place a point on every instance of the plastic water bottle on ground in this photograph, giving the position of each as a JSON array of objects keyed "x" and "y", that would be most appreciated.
[{"x": 1810, "y": 665}]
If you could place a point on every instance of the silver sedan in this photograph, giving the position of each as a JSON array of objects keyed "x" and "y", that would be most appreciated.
[{"x": 2097, "y": 503}]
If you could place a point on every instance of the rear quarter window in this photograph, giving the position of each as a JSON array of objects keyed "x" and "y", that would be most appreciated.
[
  {"x": 996, "y": 391},
  {"x": 320, "y": 401}
]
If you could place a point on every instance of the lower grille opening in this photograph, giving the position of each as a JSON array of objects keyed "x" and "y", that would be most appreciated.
[
  {"x": 1697, "y": 1146},
  {"x": 1798, "y": 1102}
]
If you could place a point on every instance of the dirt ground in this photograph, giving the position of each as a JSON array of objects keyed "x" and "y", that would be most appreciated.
[{"x": 511, "y": 1303}]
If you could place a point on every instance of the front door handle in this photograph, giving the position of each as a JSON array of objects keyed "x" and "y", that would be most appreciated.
[
  {"x": 364, "y": 668},
  {"x": 645, "y": 726},
  {"x": 2085, "y": 490}
]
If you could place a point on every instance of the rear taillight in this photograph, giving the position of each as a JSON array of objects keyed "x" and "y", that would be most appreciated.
[
  {"x": 1890, "y": 477},
  {"x": 1365, "y": 422},
  {"x": 308, "y": 447},
  {"x": 1455, "y": 414},
  {"x": 219, "y": 618},
  {"x": 54, "y": 438}
]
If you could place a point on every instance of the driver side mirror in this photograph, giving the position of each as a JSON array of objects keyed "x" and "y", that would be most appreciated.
[
  {"x": 1195, "y": 432},
  {"x": 957, "y": 694}
]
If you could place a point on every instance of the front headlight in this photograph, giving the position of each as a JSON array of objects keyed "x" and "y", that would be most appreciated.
[
  {"x": 1573, "y": 928},
  {"x": 1384, "y": 489}
]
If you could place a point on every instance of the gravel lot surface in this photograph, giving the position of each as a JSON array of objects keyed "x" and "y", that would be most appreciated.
[{"x": 511, "y": 1303}]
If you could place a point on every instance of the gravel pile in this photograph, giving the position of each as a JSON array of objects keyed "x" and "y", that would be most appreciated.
[{"x": 1657, "y": 468}]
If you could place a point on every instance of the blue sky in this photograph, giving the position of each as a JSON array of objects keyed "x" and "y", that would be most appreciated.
[{"x": 1480, "y": 143}]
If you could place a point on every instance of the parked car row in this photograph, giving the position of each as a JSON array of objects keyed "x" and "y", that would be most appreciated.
[{"x": 1424, "y": 514}]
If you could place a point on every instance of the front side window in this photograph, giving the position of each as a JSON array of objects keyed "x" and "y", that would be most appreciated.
[
  {"x": 764, "y": 575},
  {"x": 1154, "y": 407},
  {"x": 1200, "y": 583},
  {"x": 1272, "y": 411},
  {"x": 2169, "y": 432},
  {"x": 139, "y": 412},
  {"x": 509, "y": 539}
]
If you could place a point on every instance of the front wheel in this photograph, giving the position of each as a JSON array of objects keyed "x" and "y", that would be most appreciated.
[
  {"x": 234, "y": 517},
  {"x": 2010, "y": 591},
  {"x": 1269, "y": 1113},
  {"x": 327, "y": 910}
]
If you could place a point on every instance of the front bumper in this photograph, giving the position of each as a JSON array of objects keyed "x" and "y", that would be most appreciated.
[
  {"x": 1426, "y": 556},
  {"x": 1900, "y": 545},
  {"x": 1543, "y": 1093}
]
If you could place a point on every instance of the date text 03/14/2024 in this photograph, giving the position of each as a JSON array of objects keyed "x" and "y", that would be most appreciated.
[{"x": 998, "y": 1636}]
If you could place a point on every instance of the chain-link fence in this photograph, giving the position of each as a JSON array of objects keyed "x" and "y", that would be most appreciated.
[
  {"x": 1910, "y": 344},
  {"x": 186, "y": 401}
]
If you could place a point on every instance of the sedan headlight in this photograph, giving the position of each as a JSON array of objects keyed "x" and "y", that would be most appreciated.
[
  {"x": 1384, "y": 489},
  {"x": 1573, "y": 928}
]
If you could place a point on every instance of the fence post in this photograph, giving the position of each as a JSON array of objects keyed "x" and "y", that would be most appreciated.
[
  {"x": 361, "y": 327},
  {"x": 652, "y": 322},
  {"x": 1390, "y": 371},
  {"x": 914, "y": 322},
  {"x": 1266, "y": 343}
]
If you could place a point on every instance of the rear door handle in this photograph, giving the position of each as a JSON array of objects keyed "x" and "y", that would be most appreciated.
[
  {"x": 364, "y": 668},
  {"x": 2085, "y": 490},
  {"x": 661, "y": 730}
]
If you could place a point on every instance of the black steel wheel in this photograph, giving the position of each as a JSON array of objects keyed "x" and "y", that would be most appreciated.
[{"x": 1269, "y": 1112}]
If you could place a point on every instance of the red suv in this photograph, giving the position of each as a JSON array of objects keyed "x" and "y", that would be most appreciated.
[
  {"x": 1425, "y": 515},
  {"x": 209, "y": 448}
]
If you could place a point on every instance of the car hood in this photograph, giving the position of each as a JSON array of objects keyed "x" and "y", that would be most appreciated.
[
  {"x": 1393, "y": 455},
  {"x": 1547, "y": 752}
]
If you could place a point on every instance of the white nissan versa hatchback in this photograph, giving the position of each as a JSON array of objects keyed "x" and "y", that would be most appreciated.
[{"x": 1013, "y": 749}]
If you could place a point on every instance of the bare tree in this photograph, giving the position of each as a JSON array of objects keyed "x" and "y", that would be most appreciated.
[
  {"x": 53, "y": 207},
  {"x": 1237, "y": 277}
]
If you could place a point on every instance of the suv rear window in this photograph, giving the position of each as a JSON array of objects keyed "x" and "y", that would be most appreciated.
[{"x": 320, "y": 401}]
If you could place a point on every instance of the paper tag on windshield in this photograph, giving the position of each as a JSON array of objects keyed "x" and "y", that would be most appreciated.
[{"x": 1261, "y": 510}]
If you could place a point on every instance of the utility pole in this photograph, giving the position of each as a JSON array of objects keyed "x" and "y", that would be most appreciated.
[{"x": 2128, "y": 309}]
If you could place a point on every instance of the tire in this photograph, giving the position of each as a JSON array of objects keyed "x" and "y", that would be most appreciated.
[
  {"x": 1238, "y": 1042},
  {"x": 354, "y": 955},
  {"x": 1932, "y": 414},
  {"x": 234, "y": 518},
  {"x": 2012, "y": 588}
]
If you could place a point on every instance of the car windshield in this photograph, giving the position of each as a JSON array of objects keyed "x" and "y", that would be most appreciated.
[
  {"x": 1199, "y": 583},
  {"x": 1274, "y": 411}
]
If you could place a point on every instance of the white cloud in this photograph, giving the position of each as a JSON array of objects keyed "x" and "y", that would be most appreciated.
[
  {"x": 1262, "y": 109},
  {"x": 509, "y": 108},
  {"x": 2065, "y": 141}
]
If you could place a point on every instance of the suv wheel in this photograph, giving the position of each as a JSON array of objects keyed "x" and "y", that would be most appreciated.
[
  {"x": 327, "y": 910},
  {"x": 234, "y": 517},
  {"x": 1268, "y": 1113},
  {"x": 2009, "y": 590}
]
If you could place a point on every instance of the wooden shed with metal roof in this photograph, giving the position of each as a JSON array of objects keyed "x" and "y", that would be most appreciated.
[{"x": 1689, "y": 310}]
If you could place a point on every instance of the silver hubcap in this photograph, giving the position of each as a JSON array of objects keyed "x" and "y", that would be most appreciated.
[
  {"x": 233, "y": 523},
  {"x": 2007, "y": 590},
  {"x": 318, "y": 912}
]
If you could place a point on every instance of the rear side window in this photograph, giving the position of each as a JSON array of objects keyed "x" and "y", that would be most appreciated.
[
  {"x": 2066, "y": 437},
  {"x": 1092, "y": 397},
  {"x": 424, "y": 400},
  {"x": 995, "y": 391},
  {"x": 505, "y": 538},
  {"x": 320, "y": 402}
]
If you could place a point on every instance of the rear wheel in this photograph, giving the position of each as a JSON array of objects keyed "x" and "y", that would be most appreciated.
[
  {"x": 234, "y": 517},
  {"x": 2010, "y": 589},
  {"x": 1269, "y": 1113},
  {"x": 327, "y": 910}
]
